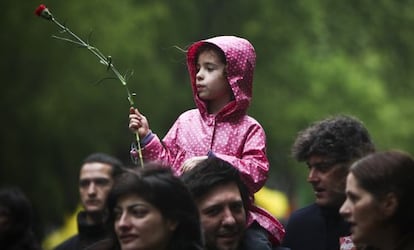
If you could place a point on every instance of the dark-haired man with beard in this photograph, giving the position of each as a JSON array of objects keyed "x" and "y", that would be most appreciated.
[{"x": 223, "y": 201}]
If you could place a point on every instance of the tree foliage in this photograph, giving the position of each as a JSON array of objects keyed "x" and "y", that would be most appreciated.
[{"x": 314, "y": 59}]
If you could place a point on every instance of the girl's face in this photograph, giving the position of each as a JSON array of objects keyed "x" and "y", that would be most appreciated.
[
  {"x": 140, "y": 225},
  {"x": 363, "y": 212},
  {"x": 211, "y": 81}
]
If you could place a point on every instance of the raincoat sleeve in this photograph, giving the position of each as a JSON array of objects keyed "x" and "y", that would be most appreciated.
[
  {"x": 164, "y": 151},
  {"x": 253, "y": 164}
]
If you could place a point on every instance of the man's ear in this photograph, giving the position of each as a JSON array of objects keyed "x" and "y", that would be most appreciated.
[{"x": 389, "y": 204}]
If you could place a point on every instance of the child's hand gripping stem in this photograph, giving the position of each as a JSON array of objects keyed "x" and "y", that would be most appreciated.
[{"x": 138, "y": 124}]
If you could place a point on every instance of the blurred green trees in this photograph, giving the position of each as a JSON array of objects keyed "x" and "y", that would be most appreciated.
[{"x": 314, "y": 59}]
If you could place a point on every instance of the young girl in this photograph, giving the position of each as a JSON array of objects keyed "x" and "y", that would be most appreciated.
[{"x": 221, "y": 73}]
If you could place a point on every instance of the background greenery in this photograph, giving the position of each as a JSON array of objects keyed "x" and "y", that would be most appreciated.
[{"x": 314, "y": 59}]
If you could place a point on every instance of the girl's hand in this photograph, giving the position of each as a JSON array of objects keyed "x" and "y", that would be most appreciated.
[{"x": 138, "y": 123}]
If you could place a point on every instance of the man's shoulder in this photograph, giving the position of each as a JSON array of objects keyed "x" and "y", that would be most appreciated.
[
  {"x": 305, "y": 212},
  {"x": 68, "y": 244},
  {"x": 306, "y": 218},
  {"x": 305, "y": 229}
]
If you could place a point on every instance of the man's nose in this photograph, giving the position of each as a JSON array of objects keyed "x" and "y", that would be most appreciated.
[
  {"x": 92, "y": 188},
  {"x": 313, "y": 175},
  {"x": 228, "y": 217}
]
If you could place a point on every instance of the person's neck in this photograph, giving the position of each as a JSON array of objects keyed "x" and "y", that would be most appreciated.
[
  {"x": 94, "y": 217},
  {"x": 215, "y": 106},
  {"x": 388, "y": 238}
]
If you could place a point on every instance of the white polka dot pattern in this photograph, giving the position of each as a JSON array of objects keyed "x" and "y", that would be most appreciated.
[{"x": 231, "y": 134}]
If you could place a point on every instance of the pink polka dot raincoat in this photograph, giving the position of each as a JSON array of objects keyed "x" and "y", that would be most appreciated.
[{"x": 230, "y": 134}]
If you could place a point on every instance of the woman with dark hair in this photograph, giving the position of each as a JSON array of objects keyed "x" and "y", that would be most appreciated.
[
  {"x": 152, "y": 209},
  {"x": 379, "y": 204},
  {"x": 16, "y": 221}
]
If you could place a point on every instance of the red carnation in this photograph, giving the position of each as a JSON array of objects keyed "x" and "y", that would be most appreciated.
[
  {"x": 40, "y": 9},
  {"x": 44, "y": 12}
]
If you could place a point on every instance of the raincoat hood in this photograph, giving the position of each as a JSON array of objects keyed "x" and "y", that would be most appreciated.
[{"x": 240, "y": 60}]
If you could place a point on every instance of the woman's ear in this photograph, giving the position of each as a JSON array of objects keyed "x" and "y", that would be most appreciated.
[{"x": 389, "y": 204}]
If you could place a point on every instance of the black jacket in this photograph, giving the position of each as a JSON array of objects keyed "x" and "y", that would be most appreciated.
[
  {"x": 87, "y": 235},
  {"x": 315, "y": 228},
  {"x": 22, "y": 241}
]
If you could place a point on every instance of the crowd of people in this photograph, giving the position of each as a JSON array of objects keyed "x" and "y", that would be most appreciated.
[{"x": 196, "y": 188}]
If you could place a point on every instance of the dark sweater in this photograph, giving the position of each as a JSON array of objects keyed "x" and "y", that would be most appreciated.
[
  {"x": 315, "y": 228},
  {"x": 19, "y": 241},
  {"x": 87, "y": 235}
]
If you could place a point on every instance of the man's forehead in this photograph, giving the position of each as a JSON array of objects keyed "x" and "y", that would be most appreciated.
[
  {"x": 221, "y": 195},
  {"x": 95, "y": 170},
  {"x": 315, "y": 158},
  {"x": 320, "y": 161},
  {"x": 94, "y": 178}
]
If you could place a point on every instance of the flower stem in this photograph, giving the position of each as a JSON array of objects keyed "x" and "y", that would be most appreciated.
[
  {"x": 139, "y": 150},
  {"x": 104, "y": 60}
]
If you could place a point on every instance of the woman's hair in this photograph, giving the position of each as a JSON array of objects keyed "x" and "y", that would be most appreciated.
[
  {"x": 158, "y": 186},
  {"x": 389, "y": 172},
  {"x": 17, "y": 207}
]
